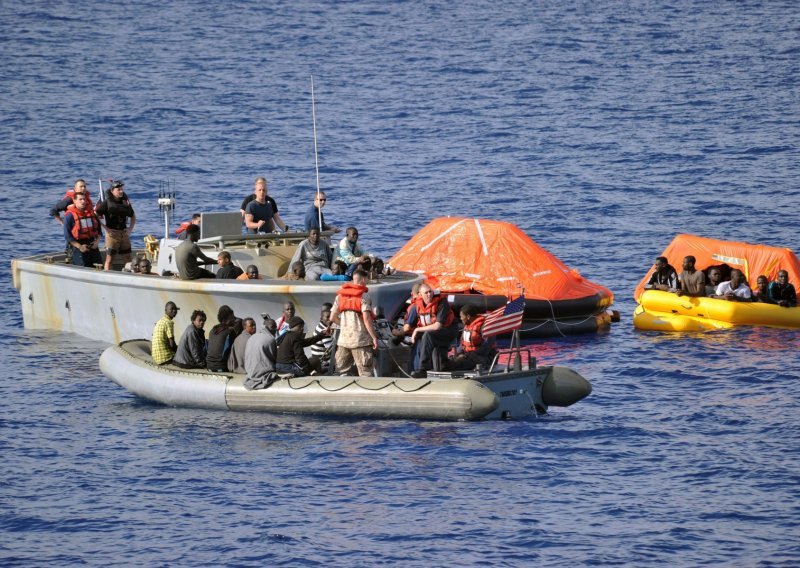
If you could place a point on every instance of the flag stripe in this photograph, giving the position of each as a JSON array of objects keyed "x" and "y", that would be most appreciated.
[{"x": 504, "y": 319}]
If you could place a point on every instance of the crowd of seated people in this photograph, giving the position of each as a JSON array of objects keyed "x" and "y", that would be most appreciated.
[{"x": 721, "y": 282}]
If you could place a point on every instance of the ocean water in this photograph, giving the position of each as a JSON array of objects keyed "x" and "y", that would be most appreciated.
[{"x": 601, "y": 129}]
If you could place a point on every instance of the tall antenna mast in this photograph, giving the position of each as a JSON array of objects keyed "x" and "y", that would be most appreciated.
[{"x": 316, "y": 159}]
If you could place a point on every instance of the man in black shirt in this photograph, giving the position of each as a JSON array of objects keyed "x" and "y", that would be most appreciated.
[
  {"x": 227, "y": 270},
  {"x": 664, "y": 278}
]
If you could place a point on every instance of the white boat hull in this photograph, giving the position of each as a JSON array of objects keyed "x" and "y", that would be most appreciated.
[{"x": 116, "y": 306}]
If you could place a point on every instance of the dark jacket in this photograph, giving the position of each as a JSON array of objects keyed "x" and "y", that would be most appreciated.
[
  {"x": 191, "y": 349},
  {"x": 220, "y": 341},
  {"x": 290, "y": 349}
]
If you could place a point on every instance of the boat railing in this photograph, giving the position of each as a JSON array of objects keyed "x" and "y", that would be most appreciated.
[
  {"x": 518, "y": 359},
  {"x": 265, "y": 240}
]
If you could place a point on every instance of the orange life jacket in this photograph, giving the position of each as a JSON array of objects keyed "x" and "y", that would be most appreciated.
[
  {"x": 350, "y": 297},
  {"x": 87, "y": 225},
  {"x": 471, "y": 337},
  {"x": 427, "y": 314},
  {"x": 71, "y": 193},
  {"x": 183, "y": 227}
]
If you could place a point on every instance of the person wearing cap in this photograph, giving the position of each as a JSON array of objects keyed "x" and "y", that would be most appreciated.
[
  {"x": 162, "y": 344},
  {"x": 82, "y": 232},
  {"x": 116, "y": 210},
  {"x": 291, "y": 358},
  {"x": 187, "y": 254},
  {"x": 352, "y": 310}
]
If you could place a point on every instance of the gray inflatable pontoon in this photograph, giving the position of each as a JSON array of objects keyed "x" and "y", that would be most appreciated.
[{"x": 469, "y": 396}]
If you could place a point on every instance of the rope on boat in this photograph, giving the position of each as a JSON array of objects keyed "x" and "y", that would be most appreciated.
[{"x": 356, "y": 383}]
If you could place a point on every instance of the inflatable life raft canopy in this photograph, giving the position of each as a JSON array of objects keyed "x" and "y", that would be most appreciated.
[
  {"x": 752, "y": 260},
  {"x": 461, "y": 256}
]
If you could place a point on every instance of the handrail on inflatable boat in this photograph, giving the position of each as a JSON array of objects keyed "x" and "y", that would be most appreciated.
[{"x": 515, "y": 357}]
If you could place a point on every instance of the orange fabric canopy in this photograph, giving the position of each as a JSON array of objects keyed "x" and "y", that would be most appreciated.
[
  {"x": 461, "y": 255},
  {"x": 753, "y": 260}
]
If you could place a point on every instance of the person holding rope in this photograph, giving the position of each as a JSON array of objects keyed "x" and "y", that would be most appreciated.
[{"x": 352, "y": 311}]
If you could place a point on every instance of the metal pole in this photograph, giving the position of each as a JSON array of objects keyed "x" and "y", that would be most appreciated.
[{"x": 316, "y": 159}]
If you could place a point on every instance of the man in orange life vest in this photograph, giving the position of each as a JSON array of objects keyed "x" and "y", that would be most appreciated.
[
  {"x": 66, "y": 201},
  {"x": 474, "y": 349},
  {"x": 82, "y": 232},
  {"x": 357, "y": 341},
  {"x": 435, "y": 331}
]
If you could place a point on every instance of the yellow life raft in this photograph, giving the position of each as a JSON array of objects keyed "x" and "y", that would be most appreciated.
[{"x": 666, "y": 311}]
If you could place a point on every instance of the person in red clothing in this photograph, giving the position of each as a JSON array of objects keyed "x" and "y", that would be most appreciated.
[
  {"x": 473, "y": 349},
  {"x": 181, "y": 233}
]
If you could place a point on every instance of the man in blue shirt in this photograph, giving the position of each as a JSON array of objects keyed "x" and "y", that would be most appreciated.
[{"x": 314, "y": 214}]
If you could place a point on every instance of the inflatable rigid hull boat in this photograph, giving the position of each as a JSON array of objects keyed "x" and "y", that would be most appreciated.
[{"x": 497, "y": 395}]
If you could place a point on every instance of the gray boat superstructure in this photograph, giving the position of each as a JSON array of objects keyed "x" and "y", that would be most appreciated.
[{"x": 114, "y": 306}]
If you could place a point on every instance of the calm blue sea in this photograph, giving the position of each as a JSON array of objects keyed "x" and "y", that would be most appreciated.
[{"x": 600, "y": 128}]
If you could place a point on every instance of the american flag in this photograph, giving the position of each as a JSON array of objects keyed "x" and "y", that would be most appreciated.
[{"x": 505, "y": 319}]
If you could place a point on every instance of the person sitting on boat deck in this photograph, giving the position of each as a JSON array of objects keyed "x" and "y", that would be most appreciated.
[
  {"x": 692, "y": 282},
  {"x": 162, "y": 343},
  {"x": 435, "y": 331},
  {"x": 351, "y": 253},
  {"x": 314, "y": 214},
  {"x": 251, "y": 273},
  {"x": 315, "y": 254},
  {"x": 220, "y": 340},
  {"x": 714, "y": 279},
  {"x": 297, "y": 272},
  {"x": 260, "y": 216},
  {"x": 145, "y": 267},
  {"x": 735, "y": 289},
  {"x": 236, "y": 357},
  {"x": 291, "y": 357},
  {"x": 352, "y": 311},
  {"x": 82, "y": 232},
  {"x": 761, "y": 291},
  {"x": 321, "y": 350},
  {"x": 187, "y": 254},
  {"x": 473, "y": 349},
  {"x": 664, "y": 277},
  {"x": 116, "y": 209},
  {"x": 227, "y": 270},
  {"x": 180, "y": 232},
  {"x": 402, "y": 334},
  {"x": 260, "y": 356},
  {"x": 191, "y": 353},
  {"x": 66, "y": 201},
  {"x": 782, "y": 292},
  {"x": 282, "y": 325}
]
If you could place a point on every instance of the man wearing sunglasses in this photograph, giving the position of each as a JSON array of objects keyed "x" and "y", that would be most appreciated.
[{"x": 314, "y": 214}]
